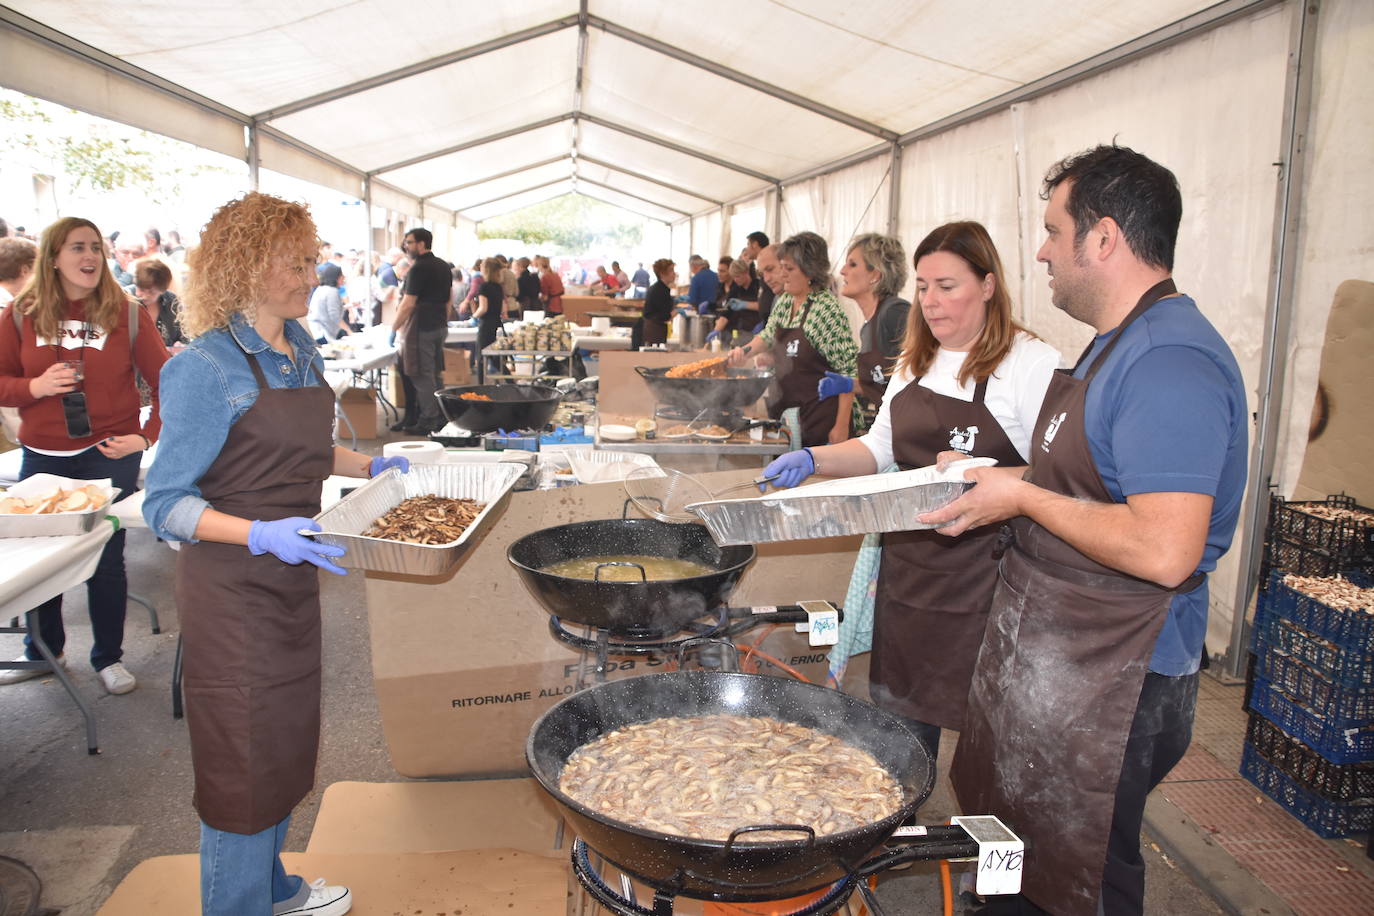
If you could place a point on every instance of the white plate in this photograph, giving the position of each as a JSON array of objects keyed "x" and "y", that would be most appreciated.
[{"x": 616, "y": 433}]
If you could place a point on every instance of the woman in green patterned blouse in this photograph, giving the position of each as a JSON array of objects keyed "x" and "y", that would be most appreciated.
[{"x": 808, "y": 333}]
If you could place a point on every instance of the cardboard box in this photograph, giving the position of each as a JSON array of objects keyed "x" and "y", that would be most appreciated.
[
  {"x": 464, "y": 664},
  {"x": 360, "y": 406},
  {"x": 457, "y": 368}
]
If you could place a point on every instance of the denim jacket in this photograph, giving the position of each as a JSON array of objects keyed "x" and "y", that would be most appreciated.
[{"x": 206, "y": 388}]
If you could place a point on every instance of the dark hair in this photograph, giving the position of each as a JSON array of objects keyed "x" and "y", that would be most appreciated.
[
  {"x": 4, "y": 228},
  {"x": 423, "y": 236},
  {"x": 152, "y": 274},
  {"x": 725, "y": 261},
  {"x": 757, "y": 237},
  {"x": 969, "y": 242},
  {"x": 808, "y": 251},
  {"x": 156, "y": 236},
  {"x": 1138, "y": 194}
]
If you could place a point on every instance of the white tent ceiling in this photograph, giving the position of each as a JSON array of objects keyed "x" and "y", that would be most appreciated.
[{"x": 664, "y": 108}]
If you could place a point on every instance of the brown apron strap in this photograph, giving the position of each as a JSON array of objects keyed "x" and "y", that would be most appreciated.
[{"x": 1163, "y": 289}]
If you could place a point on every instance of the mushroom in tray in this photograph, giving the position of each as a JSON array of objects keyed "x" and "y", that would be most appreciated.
[{"x": 426, "y": 520}]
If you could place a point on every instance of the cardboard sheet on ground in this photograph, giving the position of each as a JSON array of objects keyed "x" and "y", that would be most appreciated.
[
  {"x": 483, "y": 882},
  {"x": 398, "y": 817},
  {"x": 464, "y": 664}
]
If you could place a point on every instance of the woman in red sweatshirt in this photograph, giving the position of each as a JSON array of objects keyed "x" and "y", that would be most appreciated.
[{"x": 68, "y": 361}]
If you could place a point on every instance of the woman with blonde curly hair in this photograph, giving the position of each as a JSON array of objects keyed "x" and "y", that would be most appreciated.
[
  {"x": 249, "y": 441},
  {"x": 70, "y": 345}
]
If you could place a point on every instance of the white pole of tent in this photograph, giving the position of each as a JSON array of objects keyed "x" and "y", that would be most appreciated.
[
  {"x": 894, "y": 191},
  {"x": 254, "y": 155},
  {"x": 1297, "y": 106},
  {"x": 775, "y": 214},
  {"x": 367, "y": 256}
]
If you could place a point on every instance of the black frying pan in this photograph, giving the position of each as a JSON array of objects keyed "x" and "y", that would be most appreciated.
[
  {"x": 738, "y": 870},
  {"x": 657, "y": 607},
  {"x": 511, "y": 407}
]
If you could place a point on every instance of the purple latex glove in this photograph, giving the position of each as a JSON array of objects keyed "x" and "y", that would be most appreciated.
[
  {"x": 790, "y": 469},
  {"x": 380, "y": 464},
  {"x": 280, "y": 538}
]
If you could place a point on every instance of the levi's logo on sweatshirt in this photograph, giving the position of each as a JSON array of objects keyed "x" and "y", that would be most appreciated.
[{"x": 71, "y": 334}]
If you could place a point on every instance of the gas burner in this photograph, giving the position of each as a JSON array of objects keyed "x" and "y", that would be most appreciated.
[
  {"x": 730, "y": 419},
  {"x": 637, "y": 641},
  {"x": 623, "y": 903}
]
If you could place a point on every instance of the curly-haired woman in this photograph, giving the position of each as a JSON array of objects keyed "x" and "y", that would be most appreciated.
[
  {"x": 249, "y": 441},
  {"x": 69, "y": 347}
]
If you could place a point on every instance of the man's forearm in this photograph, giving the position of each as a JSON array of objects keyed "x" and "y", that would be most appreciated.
[
  {"x": 403, "y": 312},
  {"x": 1158, "y": 537}
]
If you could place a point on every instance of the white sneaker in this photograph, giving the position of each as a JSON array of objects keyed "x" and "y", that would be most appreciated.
[
  {"x": 26, "y": 674},
  {"x": 324, "y": 900},
  {"x": 117, "y": 678}
]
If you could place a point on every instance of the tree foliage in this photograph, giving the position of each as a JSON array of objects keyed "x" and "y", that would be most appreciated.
[
  {"x": 106, "y": 157},
  {"x": 570, "y": 224}
]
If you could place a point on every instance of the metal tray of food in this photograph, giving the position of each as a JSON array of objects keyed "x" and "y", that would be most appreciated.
[
  {"x": 874, "y": 504},
  {"x": 54, "y": 524},
  {"x": 344, "y": 522}
]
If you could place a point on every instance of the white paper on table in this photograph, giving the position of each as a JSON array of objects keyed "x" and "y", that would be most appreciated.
[{"x": 45, "y": 484}]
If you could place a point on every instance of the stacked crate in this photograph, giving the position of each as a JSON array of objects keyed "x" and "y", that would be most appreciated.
[{"x": 1310, "y": 740}]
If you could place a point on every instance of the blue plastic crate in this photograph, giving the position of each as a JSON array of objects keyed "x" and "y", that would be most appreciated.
[
  {"x": 1339, "y": 742},
  {"x": 1311, "y": 690},
  {"x": 1322, "y": 816},
  {"x": 1351, "y": 670},
  {"x": 1340, "y": 782},
  {"x": 1351, "y": 630}
]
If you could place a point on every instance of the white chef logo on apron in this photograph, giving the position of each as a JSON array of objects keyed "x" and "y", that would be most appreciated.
[
  {"x": 1051, "y": 431},
  {"x": 792, "y": 346},
  {"x": 878, "y": 377},
  {"x": 961, "y": 440},
  {"x": 69, "y": 336}
]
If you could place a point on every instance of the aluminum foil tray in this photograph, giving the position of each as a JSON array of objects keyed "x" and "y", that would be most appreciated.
[
  {"x": 344, "y": 522},
  {"x": 859, "y": 505},
  {"x": 57, "y": 524}
]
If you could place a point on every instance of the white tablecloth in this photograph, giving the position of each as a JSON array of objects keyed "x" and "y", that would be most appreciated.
[
  {"x": 600, "y": 341},
  {"x": 32, "y": 570},
  {"x": 364, "y": 360}
]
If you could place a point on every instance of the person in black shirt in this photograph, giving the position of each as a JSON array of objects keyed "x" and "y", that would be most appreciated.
[
  {"x": 527, "y": 295},
  {"x": 652, "y": 327},
  {"x": 421, "y": 325},
  {"x": 740, "y": 308},
  {"x": 490, "y": 297}
]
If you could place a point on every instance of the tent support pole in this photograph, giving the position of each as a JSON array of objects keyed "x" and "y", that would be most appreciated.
[
  {"x": 254, "y": 156},
  {"x": 1283, "y": 266},
  {"x": 775, "y": 214},
  {"x": 367, "y": 233},
  {"x": 894, "y": 191}
]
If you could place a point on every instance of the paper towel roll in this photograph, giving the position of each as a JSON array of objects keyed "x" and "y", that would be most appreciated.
[
  {"x": 601, "y": 325},
  {"x": 425, "y": 451}
]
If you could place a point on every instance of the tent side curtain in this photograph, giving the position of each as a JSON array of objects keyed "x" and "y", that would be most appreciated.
[
  {"x": 839, "y": 206},
  {"x": 745, "y": 217},
  {"x": 38, "y": 69},
  {"x": 384, "y": 196}
]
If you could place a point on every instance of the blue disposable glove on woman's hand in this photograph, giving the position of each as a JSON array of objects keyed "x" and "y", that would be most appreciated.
[
  {"x": 280, "y": 539},
  {"x": 833, "y": 384},
  {"x": 736, "y": 305},
  {"x": 712, "y": 336},
  {"x": 790, "y": 469},
  {"x": 380, "y": 464}
]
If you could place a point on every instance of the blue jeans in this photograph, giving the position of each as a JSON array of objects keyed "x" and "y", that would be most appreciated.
[
  {"x": 242, "y": 875},
  {"x": 107, "y": 590}
]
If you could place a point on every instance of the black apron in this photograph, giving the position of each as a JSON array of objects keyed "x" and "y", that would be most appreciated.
[
  {"x": 1059, "y": 676},
  {"x": 873, "y": 366},
  {"x": 800, "y": 368},
  {"x": 934, "y": 591},
  {"x": 251, "y": 624}
]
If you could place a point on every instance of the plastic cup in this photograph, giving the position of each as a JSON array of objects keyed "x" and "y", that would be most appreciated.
[{"x": 77, "y": 367}]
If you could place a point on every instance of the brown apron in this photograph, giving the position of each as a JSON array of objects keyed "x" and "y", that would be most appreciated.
[
  {"x": 934, "y": 591},
  {"x": 1059, "y": 676},
  {"x": 873, "y": 369},
  {"x": 251, "y": 625},
  {"x": 800, "y": 368}
]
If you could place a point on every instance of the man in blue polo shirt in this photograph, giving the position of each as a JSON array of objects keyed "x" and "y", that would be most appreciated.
[
  {"x": 1086, "y": 684},
  {"x": 705, "y": 285}
]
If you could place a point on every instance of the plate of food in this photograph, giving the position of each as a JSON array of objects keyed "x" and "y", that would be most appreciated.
[{"x": 46, "y": 505}]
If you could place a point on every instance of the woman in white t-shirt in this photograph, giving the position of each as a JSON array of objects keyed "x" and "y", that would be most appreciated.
[{"x": 970, "y": 381}]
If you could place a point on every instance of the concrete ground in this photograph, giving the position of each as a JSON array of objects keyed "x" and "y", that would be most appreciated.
[{"x": 83, "y": 822}]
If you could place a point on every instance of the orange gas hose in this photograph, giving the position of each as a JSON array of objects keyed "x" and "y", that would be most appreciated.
[{"x": 946, "y": 888}]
